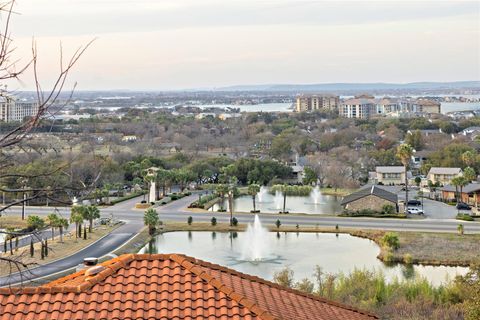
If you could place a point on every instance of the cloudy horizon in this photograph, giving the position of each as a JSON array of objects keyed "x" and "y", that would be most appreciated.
[{"x": 164, "y": 45}]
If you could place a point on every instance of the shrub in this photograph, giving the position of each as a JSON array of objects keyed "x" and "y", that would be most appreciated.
[
  {"x": 388, "y": 256},
  {"x": 390, "y": 240},
  {"x": 143, "y": 201},
  {"x": 174, "y": 197},
  {"x": 464, "y": 217},
  {"x": 214, "y": 221},
  {"x": 292, "y": 190},
  {"x": 190, "y": 220},
  {"x": 388, "y": 209},
  {"x": 407, "y": 258},
  {"x": 234, "y": 221},
  {"x": 163, "y": 203}
]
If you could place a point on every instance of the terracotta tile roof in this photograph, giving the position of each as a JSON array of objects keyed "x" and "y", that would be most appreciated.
[{"x": 166, "y": 286}]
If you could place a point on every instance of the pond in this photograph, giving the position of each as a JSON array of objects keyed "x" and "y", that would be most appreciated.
[
  {"x": 266, "y": 202},
  {"x": 299, "y": 251}
]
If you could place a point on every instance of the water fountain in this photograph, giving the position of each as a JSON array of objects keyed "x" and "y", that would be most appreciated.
[
  {"x": 256, "y": 247},
  {"x": 278, "y": 200},
  {"x": 261, "y": 195},
  {"x": 315, "y": 195}
]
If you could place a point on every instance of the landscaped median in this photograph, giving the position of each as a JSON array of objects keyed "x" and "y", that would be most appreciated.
[
  {"x": 162, "y": 201},
  {"x": 56, "y": 249}
]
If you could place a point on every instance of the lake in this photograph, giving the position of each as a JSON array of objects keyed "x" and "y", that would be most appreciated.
[{"x": 299, "y": 251}]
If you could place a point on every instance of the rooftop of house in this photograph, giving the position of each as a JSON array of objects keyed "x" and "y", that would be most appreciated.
[
  {"x": 427, "y": 102},
  {"x": 166, "y": 286},
  {"x": 390, "y": 169},
  {"x": 444, "y": 170},
  {"x": 469, "y": 188},
  {"x": 358, "y": 101},
  {"x": 370, "y": 190}
]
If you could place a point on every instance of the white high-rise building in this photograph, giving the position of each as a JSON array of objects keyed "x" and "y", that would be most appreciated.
[{"x": 14, "y": 110}]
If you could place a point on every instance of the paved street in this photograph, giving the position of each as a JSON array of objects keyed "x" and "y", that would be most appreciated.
[{"x": 439, "y": 219}]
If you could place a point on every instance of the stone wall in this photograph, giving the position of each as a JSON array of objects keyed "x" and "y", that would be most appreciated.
[{"x": 369, "y": 202}]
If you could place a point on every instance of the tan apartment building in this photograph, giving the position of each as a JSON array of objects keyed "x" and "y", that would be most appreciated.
[
  {"x": 316, "y": 102},
  {"x": 428, "y": 106},
  {"x": 443, "y": 175},
  {"x": 357, "y": 108},
  {"x": 391, "y": 175}
]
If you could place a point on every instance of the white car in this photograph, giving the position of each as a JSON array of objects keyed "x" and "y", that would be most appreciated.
[{"x": 415, "y": 211}]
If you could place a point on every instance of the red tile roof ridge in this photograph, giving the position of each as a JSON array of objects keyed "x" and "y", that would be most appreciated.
[
  {"x": 190, "y": 264},
  {"x": 274, "y": 285}
]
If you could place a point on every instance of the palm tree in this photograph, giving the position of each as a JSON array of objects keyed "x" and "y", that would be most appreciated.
[
  {"x": 61, "y": 224},
  {"x": 404, "y": 153},
  {"x": 52, "y": 220},
  {"x": 76, "y": 216},
  {"x": 221, "y": 190},
  {"x": 91, "y": 213},
  {"x": 151, "y": 219},
  {"x": 253, "y": 190},
  {"x": 458, "y": 182}
]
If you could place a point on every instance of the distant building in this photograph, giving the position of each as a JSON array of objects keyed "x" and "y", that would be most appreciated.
[
  {"x": 316, "y": 102},
  {"x": 419, "y": 157},
  {"x": 372, "y": 197},
  {"x": 428, "y": 106},
  {"x": 387, "y": 105},
  {"x": 443, "y": 175},
  {"x": 358, "y": 108},
  {"x": 391, "y": 175},
  {"x": 14, "y": 110}
]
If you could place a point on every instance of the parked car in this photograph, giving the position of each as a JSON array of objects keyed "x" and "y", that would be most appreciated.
[
  {"x": 415, "y": 211},
  {"x": 414, "y": 202},
  {"x": 463, "y": 206}
]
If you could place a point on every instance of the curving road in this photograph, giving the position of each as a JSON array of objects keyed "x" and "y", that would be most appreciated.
[{"x": 177, "y": 211}]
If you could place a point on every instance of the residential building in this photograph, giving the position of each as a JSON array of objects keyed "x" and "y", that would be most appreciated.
[
  {"x": 391, "y": 175},
  {"x": 316, "y": 102},
  {"x": 471, "y": 132},
  {"x": 167, "y": 286},
  {"x": 443, "y": 175},
  {"x": 419, "y": 157},
  {"x": 387, "y": 105},
  {"x": 13, "y": 110},
  {"x": 428, "y": 106},
  {"x": 358, "y": 108},
  {"x": 370, "y": 197},
  {"x": 469, "y": 194}
]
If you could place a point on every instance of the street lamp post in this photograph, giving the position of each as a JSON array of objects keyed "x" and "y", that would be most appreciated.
[
  {"x": 24, "y": 199},
  {"x": 230, "y": 204}
]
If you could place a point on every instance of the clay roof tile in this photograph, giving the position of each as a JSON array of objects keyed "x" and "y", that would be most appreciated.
[{"x": 153, "y": 286}]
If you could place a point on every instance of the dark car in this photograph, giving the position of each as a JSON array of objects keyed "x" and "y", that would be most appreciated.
[
  {"x": 463, "y": 206},
  {"x": 414, "y": 202}
]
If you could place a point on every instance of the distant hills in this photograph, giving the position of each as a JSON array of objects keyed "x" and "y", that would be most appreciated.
[{"x": 353, "y": 86}]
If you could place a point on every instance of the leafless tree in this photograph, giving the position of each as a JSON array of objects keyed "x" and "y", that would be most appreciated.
[{"x": 16, "y": 140}]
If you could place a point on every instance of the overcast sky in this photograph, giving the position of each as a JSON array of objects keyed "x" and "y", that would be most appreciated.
[{"x": 175, "y": 44}]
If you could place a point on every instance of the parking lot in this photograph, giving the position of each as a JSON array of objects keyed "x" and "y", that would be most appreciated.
[{"x": 433, "y": 209}]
